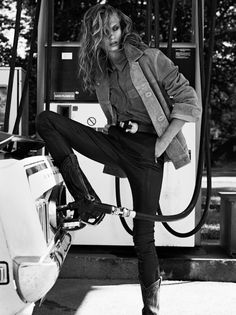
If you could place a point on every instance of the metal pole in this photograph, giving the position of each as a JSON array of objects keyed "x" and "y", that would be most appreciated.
[
  {"x": 12, "y": 66},
  {"x": 157, "y": 18},
  {"x": 25, "y": 87},
  {"x": 49, "y": 55},
  {"x": 171, "y": 28},
  {"x": 149, "y": 21},
  {"x": 41, "y": 41}
]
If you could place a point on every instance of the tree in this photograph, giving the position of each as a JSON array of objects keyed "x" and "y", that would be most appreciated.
[
  {"x": 223, "y": 88},
  {"x": 7, "y": 24}
]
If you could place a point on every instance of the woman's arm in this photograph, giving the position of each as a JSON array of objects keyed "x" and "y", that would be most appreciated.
[
  {"x": 171, "y": 131},
  {"x": 184, "y": 98}
]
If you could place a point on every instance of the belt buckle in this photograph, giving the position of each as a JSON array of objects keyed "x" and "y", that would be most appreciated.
[{"x": 129, "y": 126}]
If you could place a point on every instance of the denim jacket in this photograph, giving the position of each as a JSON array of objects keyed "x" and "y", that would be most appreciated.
[{"x": 165, "y": 92}]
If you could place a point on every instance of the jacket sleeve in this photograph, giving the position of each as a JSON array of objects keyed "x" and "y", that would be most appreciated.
[{"x": 184, "y": 98}]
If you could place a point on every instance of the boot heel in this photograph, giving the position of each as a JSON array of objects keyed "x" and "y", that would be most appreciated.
[{"x": 151, "y": 298}]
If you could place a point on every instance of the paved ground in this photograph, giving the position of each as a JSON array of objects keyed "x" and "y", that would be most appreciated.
[
  {"x": 112, "y": 297},
  {"x": 87, "y": 297}
]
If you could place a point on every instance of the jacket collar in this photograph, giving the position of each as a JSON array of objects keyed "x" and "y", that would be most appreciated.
[
  {"x": 132, "y": 52},
  {"x": 119, "y": 63}
]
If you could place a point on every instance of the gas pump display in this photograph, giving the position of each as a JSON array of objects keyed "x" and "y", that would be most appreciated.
[
  {"x": 183, "y": 55},
  {"x": 65, "y": 82}
]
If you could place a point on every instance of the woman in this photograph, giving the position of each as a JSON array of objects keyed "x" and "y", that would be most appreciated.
[{"x": 132, "y": 83}]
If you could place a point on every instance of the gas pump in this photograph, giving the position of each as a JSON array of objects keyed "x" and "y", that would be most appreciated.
[{"x": 66, "y": 97}]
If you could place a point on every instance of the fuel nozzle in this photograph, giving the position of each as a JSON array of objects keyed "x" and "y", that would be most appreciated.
[
  {"x": 91, "y": 212},
  {"x": 82, "y": 212},
  {"x": 96, "y": 207},
  {"x": 86, "y": 206},
  {"x": 123, "y": 212}
]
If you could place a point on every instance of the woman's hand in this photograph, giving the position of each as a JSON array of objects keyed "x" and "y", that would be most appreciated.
[
  {"x": 160, "y": 147},
  {"x": 106, "y": 128}
]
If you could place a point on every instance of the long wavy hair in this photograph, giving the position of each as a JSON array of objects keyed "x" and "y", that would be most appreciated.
[{"x": 95, "y": 25}]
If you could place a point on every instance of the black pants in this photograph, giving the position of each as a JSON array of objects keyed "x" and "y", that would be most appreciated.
[{"x": 134, "y": 153}]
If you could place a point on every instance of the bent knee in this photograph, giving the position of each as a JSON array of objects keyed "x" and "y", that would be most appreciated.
[{"x": 43, "y": 119}]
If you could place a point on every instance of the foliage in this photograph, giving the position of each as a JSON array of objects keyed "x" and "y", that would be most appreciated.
[
  {"x": 223, "y": 88},
  {"x": 70, "y": 13},
  {"x": 7, "y": 24}
]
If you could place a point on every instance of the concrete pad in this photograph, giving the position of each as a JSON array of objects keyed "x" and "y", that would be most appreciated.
[
  {"x": 110, "y": 297},
  {"x": 189, "y": 264}
]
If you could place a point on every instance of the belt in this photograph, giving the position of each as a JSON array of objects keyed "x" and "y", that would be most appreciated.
[{"x": 134, "y": 127}]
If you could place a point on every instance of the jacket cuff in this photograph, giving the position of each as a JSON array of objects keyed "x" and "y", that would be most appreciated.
[{"x": 186, "y": 112}]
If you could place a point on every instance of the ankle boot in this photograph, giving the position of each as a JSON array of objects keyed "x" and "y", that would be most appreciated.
[
  {"x": 151, "y": 298},
  {"x": 75, "y": 180}
]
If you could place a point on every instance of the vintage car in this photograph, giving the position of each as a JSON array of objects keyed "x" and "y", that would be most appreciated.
[{"x": 33, "y": 242}]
